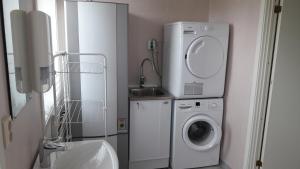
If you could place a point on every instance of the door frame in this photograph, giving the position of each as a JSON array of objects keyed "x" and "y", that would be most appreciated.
[{"x": 260, "y": 88}]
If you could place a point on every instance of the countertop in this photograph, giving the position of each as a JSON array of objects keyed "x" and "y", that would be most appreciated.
[{"x": 165, "y": 96}]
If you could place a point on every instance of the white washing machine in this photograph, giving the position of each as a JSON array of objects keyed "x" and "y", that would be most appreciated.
[
  {"x": 196, "y": 133},
  {"x": 195, "y": 56}
]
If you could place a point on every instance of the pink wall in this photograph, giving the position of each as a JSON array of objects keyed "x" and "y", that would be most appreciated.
[
  {"x": 243, "y": 15},
  {"x": 26, "y": 128},
  {"x": 146, "y": 20},
  {"x": 3, "y": 101}
]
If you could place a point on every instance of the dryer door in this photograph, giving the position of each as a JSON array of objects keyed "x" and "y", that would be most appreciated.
[
  {"x": 205, "y": 57},
  {"x": 201, "y": 133}
]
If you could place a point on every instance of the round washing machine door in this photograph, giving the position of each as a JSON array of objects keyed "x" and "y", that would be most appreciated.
[
  {"x": 201, "y": 133},
  {"x": 205, "y": 57}
]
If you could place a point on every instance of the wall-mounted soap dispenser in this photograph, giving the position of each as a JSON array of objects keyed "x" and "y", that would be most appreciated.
[
  {"x": 41, "y": 51},
  {"x": 20, "y": 51},
  {"x": 32, "y": 47}
]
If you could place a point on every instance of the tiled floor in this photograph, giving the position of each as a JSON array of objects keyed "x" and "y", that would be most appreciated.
[{"x": 214, "y": 167}]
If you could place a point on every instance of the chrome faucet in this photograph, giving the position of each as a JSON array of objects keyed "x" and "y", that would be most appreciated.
[
  {"x": 46, "y": 148},
  {"x": 142, "y": 78}
]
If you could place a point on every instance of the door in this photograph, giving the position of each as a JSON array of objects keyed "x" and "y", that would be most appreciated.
[
  {"x": 205, "y": 57},
  {"x": 91, "y": 28},
  {"x": 281, "y": 144},
  {"x": 201, "y": 133},
  {"x": 150, "y": 127}
]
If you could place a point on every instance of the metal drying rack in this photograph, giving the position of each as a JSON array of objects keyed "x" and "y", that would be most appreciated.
[{"x": 66, "y": 110}]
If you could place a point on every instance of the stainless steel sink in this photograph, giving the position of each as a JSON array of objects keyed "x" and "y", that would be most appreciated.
[
  {"x": 148, "y": 93},
  {"x": 145, "y": 92}
]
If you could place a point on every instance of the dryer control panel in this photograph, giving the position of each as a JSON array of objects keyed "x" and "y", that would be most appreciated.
[{"x": 199, "y": 105}]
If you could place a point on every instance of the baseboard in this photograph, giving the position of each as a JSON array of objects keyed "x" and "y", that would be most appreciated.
[
  {"x": 149, "y": 164},
  {"x": 223, "y": 165}
]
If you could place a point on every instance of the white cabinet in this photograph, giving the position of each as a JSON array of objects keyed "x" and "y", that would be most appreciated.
[{"x": 150, "y": 126}]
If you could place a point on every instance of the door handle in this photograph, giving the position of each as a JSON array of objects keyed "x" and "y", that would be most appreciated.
[
  {"x": 185, "y": 107},
  {"x": 189, "y": 32}
]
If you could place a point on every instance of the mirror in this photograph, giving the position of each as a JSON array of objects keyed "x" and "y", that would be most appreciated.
[
  {"x": 14, "y": 37},
  {"x": 28, "y": 50}
]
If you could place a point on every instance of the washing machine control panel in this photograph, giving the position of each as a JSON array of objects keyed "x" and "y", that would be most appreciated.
[{"x": 199, "y": 105}]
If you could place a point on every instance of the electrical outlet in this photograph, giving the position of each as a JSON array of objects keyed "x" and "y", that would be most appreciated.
[
  {"x": 152, "y": 44},
  {"x": 6, "y": 130},
  {"x": 122, "y": 125}
]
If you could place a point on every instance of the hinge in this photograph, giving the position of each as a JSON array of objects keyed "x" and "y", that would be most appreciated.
[
  {"x": 258, "y": 163},
  {"x": 278, "y": 9}
]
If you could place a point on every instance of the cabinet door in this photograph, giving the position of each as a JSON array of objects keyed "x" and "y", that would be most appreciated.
[{"x": 150, "y": 124}]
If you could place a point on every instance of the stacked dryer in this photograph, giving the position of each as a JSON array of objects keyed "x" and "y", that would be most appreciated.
[{"x": 195, "y": 56}]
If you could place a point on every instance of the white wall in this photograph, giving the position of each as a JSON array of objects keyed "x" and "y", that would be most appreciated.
[{"x": 243, "y": 15}]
